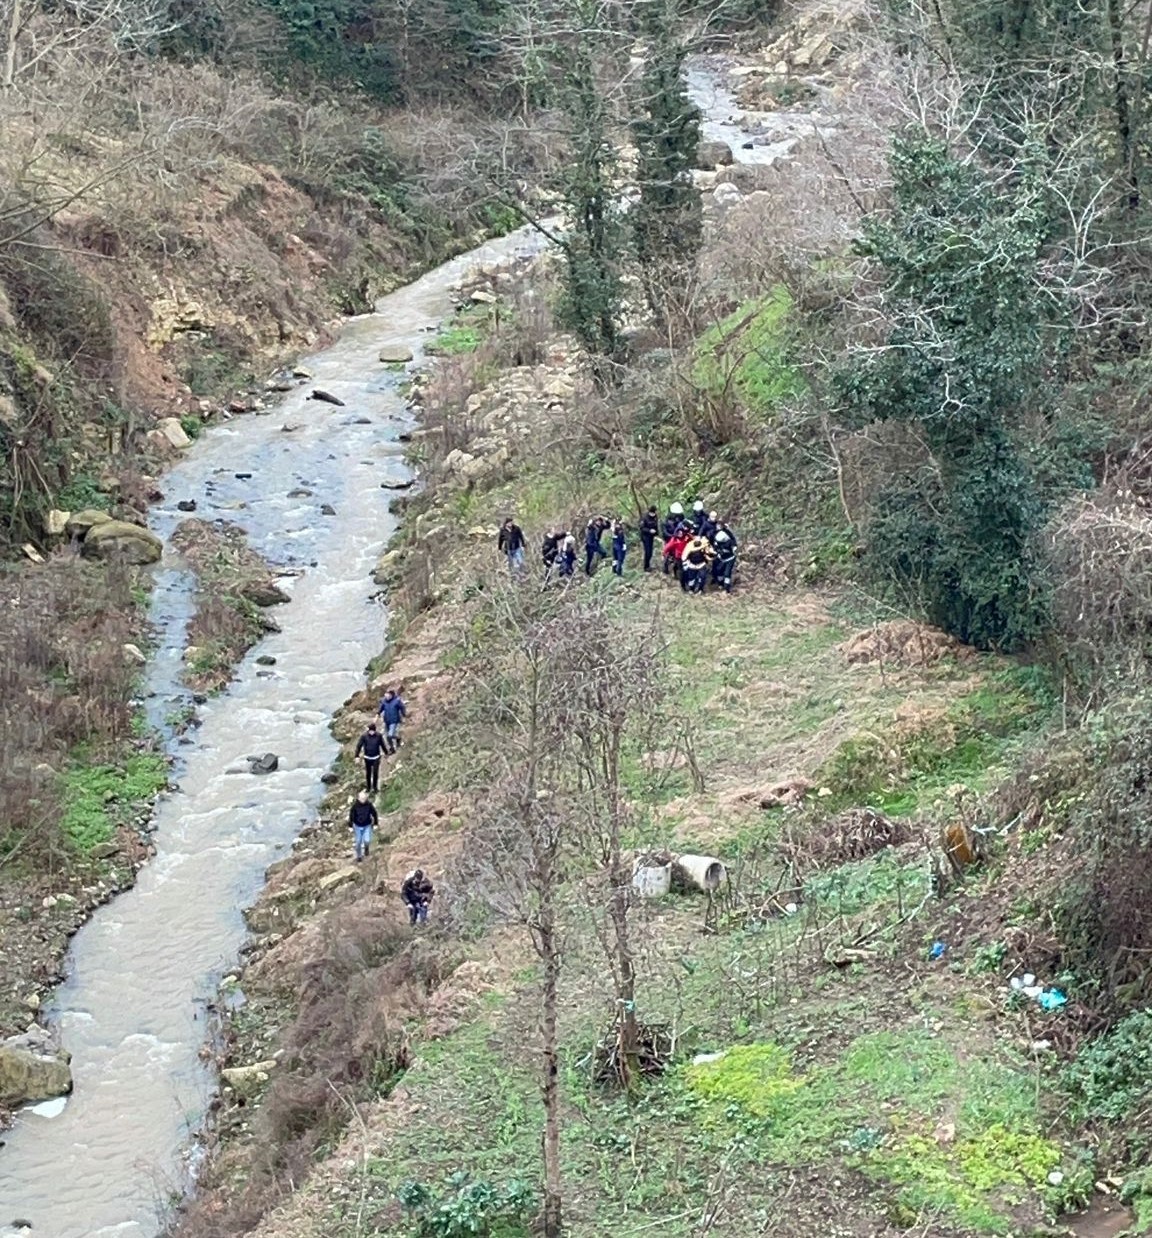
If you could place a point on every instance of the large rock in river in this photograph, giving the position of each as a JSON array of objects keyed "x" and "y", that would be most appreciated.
[
  {"x": 712, "y": 155},
  {"x": 27, "y": 1076},
  {"x": 117, "y": 539},
  {"x": 79, "y": 523}
]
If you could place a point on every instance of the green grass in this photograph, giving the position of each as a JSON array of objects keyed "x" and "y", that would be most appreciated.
[
  {"x": 98, "y": 798},
  {"x": 748, "y": 354}
]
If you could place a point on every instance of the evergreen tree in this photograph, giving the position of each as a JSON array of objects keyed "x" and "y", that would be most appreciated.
[{"x": 667, "y": 220}]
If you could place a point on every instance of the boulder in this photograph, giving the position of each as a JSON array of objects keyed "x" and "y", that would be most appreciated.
[
  {"x": 186, "y": 505},
  {"x": 27, "y": 1076},
  {"x": 267, "y": 764},
  {"x": 713, "y": 155},
  {"x": 396, "y": 354},
  {"x": 248, "y": 1080},
  {"x": 79, "y": 523},
  {"x": 174, "y": 432},
  {"x": 326, "y": 397},
  {"x": 56, "y": 522},
  {"x": 483, "y": 297},
  {"x": 398, "y": 483},
  {"x": 326, "y": 509},
  {"x": 338, "y": 878},
  {"x": 116, "y": 539},
  {"x": 133, "y": 653},
  {"x": 456, "y": 461},
  {"x": 263, "y": 593}
]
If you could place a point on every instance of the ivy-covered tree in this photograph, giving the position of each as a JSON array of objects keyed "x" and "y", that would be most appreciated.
[
  {"x": 973, "y": 329},
  {"x": 667, "y": 218}
]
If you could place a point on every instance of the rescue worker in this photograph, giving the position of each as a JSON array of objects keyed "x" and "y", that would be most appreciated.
[
  {"x": 724, "y": 565},
  {"x": 695, "y": 561},
  {"x": 362, "y": 816},
  {"x": 649, "y": 531},
  {"x": 417, "y": 893},
  {"x": 619, "y": 548},
  {"x": 672, "y": 523},
  {"x": 674, "y": 551},
  {"x": 371, "y": 745},
  {"x": 511, "y": 543},
  {"x": 699, "y": 515},
  {"x": 709, "y": 527},
  {"x": 393, "y": 711}
]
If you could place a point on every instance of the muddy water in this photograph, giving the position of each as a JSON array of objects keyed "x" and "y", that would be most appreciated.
[{"x": 132, "y": 1011}]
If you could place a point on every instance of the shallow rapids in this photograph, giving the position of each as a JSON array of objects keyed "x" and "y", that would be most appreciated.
[{"x": 141, "y": 973}]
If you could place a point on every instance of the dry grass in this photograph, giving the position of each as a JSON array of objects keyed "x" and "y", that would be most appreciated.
[{"x": 65, "y": 682}]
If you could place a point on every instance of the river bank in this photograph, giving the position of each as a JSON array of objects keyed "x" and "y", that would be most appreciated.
[{"x": 132, "y": 1008}]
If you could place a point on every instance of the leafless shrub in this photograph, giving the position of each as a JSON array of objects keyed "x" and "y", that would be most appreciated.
[
  {"x": 64, "y": 681},
  {"x": 852, "y": 835}
]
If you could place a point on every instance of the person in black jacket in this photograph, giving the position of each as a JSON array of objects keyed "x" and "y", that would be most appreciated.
[
  {"x": 592, "y": 547},
  {"x": 362, "y": 816},
  {"x": 550, "y": 550},
  {"x": 511, "y": 542},
  {"x": 417, "y": 893},
  {"x": 649, "y": 531},
  {"x": 371, "y": 746}
]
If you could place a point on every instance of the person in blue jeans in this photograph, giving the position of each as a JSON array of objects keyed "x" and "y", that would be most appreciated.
[
  {"x": 362, "y": 816},
  {"x": 619, "y": 548},
  {"x": 392, "y": 711},
  {"x": 568, "y": 555},
  {"x": 512, "y": 542},
  {"x": 417, "y": 894}
]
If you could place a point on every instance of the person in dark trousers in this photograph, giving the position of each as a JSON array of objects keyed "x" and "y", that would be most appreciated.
[
  {"x": 417, "y": 893},
  {"x": 649, "y": 531},
  {"x": 567, "y": 555},
  {"x": 511, "y": 543},
  {"x": 550, "y": 550},
  {"x": 592, "y": 548},
  {"x": 674, "y": 552},
  {"x": 393, "y": 711},
  {"x": 699, "y": 515},
  {"x": 619, "y": 548},
  {"x": 371, "y": 746},
  {"x": 362, "y": 816},
  {"x": 673, "y": 520},
  {"x": 724, "y": 565},
  {"x": 694, "y": 566},
  {"x": 709, "y": 527}
]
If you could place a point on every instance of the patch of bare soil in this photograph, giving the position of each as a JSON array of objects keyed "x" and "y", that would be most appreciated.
[
  {"x": 235, "y": 588},
  {"x": 903, "y": 643}
]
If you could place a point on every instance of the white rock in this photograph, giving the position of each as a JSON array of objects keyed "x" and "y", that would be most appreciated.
[
  {"x": 173, "y": 432},
  {"x": 133, "y": 653}
]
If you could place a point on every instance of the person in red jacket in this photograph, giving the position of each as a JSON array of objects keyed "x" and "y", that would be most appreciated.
[{"x": 674, "y": 548}]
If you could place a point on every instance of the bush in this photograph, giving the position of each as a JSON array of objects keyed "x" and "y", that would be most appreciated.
[
  {"x": 468, "y": 1208},
  {"x": 1112, "y": 1077}
]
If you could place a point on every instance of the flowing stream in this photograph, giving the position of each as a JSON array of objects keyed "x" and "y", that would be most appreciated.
[{"x": 141, "y": 972}]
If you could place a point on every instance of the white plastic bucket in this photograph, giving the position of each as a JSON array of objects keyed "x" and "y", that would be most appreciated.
[{"x": 652, "y": 880}]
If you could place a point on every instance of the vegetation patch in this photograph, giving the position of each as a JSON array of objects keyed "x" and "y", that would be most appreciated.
[{"x": 99, "y": 798}]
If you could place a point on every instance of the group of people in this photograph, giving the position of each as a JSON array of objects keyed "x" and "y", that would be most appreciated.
[
  {"x": 376, "y": 743},
  {"x": 697, "y": 548}
]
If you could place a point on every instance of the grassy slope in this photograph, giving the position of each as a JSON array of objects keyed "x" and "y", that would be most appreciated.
[{"x": 886, "y": 1092}]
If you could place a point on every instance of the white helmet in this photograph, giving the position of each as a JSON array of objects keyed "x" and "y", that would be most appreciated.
[
  {"x": 698, "y": 506},
  {"x": 676, "y": 509},
  {"x": 722, "y": 536}
]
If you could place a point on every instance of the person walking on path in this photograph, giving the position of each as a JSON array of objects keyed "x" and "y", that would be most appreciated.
[
  {"x": 417, "y": 893},
  {"x": 371, "y": 746},
  {"x": 393, "y": 711},
  {"x": 619, "y": 548},
  {"x": 550, "y": 551},
  {"x": 362, "y": 817},
  {"x": 649, "y": 531},
  {"x": 511, "y": 542},
  {"x": 592, "y": 548}
]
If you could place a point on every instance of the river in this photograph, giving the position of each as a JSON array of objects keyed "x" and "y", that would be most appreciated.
[
  {"x": 142, "y": 971},
  {"x": 133, "y": 1011}
]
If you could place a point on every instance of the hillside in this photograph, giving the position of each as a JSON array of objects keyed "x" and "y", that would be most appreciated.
[{"x": 885, "y": 315}]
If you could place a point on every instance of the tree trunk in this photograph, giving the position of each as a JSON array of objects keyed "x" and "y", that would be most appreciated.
[
  {"x": 10, "y": 39},
  {"x": 620, "y": 880},
  {"x": 1121, "y": 101},
  {"x": 552, "y": 1217}
]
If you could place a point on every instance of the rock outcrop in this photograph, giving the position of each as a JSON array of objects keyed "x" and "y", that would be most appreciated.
[
  {"x": 116, "y": 539},
  {"x": 30, "y": 1071}
]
